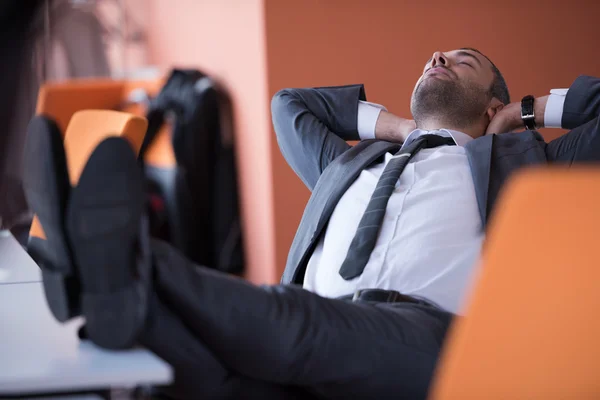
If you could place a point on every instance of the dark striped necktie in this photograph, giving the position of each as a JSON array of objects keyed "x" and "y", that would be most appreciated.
[{"x": 368, "y": 228}]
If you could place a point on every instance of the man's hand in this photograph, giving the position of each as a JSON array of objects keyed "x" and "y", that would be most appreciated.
[
  {"x": 406, "y": 127},
  {"x": 392, "y": 128},
  {"x": 508, "y": 119}
]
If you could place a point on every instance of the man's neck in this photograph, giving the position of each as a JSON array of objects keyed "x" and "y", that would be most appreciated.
[{"x": 434, "y": 124}]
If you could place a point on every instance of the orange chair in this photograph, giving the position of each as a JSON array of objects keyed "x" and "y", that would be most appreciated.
[
  {"x": 62, "y": 101},
  {"x": 531, "y": 328},
  {"x": 85, "y": 131}
]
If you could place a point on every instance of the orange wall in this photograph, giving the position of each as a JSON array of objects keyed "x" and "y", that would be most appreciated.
[
  {"x": 226, "y": 39},
  {"x": 256, "y": 47},
  {"x": 385, "y": 44}
]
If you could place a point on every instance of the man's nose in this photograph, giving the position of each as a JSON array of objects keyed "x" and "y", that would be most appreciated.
[{"x": 439, "y": 59}]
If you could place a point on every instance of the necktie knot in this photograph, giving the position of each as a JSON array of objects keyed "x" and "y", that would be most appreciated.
[
  {"x": 428, "y": 140},
  {"x": 432, "y": 140}
]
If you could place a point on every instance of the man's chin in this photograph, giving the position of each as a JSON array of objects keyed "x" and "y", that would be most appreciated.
[{"x": 437, "y": 79}]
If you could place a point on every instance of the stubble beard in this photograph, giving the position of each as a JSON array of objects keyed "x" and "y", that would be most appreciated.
[{"x": 448, "y": 102}]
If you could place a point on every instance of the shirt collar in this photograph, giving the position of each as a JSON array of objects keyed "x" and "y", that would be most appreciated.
[{"x": 460, "y": 138}]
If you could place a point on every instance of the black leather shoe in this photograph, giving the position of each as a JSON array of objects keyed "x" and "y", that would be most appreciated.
[
  {"x": 108, "y": 235},
  {"x": 47, "y": 189}
]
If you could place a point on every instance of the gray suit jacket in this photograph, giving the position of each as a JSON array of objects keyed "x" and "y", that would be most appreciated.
[{"x": 313, "y": 125}]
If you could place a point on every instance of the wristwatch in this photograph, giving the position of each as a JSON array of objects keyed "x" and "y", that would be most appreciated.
[{"x": 527, "y": 114}]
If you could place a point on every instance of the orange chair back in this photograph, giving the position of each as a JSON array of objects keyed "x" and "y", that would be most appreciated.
[
  {"x": 61, "y": 100},
  {"x": 531, "y": 328},
  {"x": 85, "y": 131}
]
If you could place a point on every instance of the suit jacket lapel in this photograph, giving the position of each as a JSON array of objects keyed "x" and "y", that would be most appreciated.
[
  {"x": 479, "y": 153},
  {"x": 348, "y": 174}
]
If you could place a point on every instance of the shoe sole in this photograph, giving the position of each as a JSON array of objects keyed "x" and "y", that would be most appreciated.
[
  {"x": 103, "y": 225},
  {"x": 47, "y": 187}
]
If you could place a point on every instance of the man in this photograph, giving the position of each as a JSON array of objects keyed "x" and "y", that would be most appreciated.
[
  {"x": 407, "y": 218},
  {"x": 435, "y": 219}
]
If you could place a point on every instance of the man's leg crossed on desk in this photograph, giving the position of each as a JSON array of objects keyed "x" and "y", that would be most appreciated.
[{"x": 224, "y": 336}]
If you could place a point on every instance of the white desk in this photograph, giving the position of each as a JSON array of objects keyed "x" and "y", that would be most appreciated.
[
  {"x": 40, "y": 355},
  {"x": 15, "y": 264}
]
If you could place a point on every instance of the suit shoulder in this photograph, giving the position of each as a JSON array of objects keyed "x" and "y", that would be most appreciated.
[{"x": 524, "y": 136}]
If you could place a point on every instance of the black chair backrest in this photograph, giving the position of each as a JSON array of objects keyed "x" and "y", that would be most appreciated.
[{"x": 194, "y": 205}]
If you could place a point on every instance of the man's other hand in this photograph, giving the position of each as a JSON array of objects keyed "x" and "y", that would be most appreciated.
[
  {"x": 392, "y": 128},
  {"x": 508, "y": 119},
  {"x": 406, "y": 127}
]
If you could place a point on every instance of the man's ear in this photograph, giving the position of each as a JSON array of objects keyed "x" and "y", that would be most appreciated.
[{"x": 494, "y": 107}]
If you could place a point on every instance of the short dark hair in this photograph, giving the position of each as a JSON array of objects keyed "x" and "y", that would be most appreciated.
[{"x": 499, "y": 89}]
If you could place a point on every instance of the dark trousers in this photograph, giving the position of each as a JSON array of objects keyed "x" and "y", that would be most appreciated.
[{"x": 226, "y": 338}]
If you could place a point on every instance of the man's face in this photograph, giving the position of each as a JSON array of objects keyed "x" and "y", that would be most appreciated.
[{"x": 454, "y": 88}]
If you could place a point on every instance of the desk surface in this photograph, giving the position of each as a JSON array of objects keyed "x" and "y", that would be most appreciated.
[
  {"x": 15, "y": 264},
  {"x": 38, "y": 354}
]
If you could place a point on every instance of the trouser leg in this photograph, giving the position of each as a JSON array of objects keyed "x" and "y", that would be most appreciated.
[
  {"x": 197, "y": 371},
  {"x": 287, "y": 335}
]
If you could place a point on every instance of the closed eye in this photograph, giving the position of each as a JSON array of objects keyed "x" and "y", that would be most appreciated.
[{"x": 466, "y": 63}]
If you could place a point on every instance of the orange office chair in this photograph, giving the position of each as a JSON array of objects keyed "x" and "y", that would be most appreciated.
[
  {"x": 60, "y": 101},
  {"x": 531, "y": 328},
  {"x": 85, "y": 131}
]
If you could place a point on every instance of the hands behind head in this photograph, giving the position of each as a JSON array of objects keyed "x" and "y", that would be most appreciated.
[{"x": 508, "y": 119}]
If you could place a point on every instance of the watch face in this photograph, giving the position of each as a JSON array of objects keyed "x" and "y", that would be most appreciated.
[
  {"x": 527, "y": 104},
  {"x": 527, "y": 100},
  {"x": 527, "y": 114}
]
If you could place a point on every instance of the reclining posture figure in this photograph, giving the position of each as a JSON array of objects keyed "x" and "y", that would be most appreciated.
[{"x": 403, "y": 211}]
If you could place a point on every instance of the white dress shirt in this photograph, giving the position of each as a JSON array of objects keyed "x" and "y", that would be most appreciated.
[{"x": 431, "y": 235}]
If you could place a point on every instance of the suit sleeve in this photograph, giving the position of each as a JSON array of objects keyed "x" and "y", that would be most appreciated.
[
  {"x": 581, "y": 114},
  {"x": 313, "y": 125}
]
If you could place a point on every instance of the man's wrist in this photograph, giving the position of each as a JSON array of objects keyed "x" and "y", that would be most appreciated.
[{"x": 539, "y": 109}]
